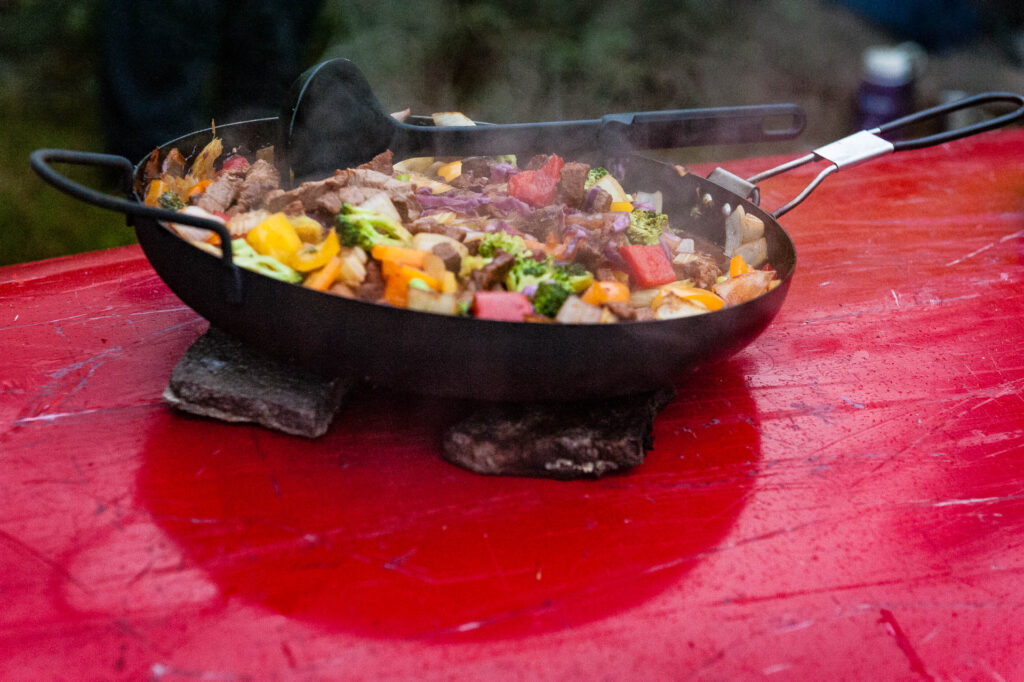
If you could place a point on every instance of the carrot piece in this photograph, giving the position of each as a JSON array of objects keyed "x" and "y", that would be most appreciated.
[
  {"x": 324, "y": 277},
  {"x": 198, "y": 188},
  {"x": 398, "y": 255}
]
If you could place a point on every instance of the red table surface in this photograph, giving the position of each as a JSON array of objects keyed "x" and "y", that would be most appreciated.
[{"x": 844, "y": 499}]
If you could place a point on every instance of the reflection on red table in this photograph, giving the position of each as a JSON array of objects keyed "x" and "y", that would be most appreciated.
[{"x": 844, "y": 498}]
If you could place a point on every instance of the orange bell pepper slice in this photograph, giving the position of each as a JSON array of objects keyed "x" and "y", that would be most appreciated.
[
  {"x": 155, "y": 190},
  {"x": 708, "y": 299},
  {"x": 737, "y": 266},
  {"x": 604, "y": 292}
]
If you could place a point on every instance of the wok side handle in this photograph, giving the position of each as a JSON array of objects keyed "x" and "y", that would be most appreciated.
[{"x": 41, "y": 159}]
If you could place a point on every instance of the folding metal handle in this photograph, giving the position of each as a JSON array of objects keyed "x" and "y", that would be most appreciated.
[
  {"x": 869, "y": 144},
  {"x": 948, "y": 108},
  {"x": 41, "y": 159}
]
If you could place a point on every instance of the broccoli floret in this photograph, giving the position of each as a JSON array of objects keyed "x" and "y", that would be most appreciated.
[
  {"x": 171, "y": 201},
  {"x": 593, "y": 176},
  {"x": 645, "y": 227},
  {"x": 549, "y": 298},
  {"x": 360, "y": 227},
  {"x": 510, "y": 243},
  {"x": 528, "y": 272},
  {"x": 577, "y": 277}
]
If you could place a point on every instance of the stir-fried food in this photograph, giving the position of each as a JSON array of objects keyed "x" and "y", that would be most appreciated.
[{"x": 548, "y": 241}]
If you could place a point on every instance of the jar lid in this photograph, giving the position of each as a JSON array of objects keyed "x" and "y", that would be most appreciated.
[{"x": 888, "y": 65}]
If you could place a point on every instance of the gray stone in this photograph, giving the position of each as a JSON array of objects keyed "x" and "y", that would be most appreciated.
[
  {"x": 221, "y": 378},
  {"x": 585, "y": 439}
]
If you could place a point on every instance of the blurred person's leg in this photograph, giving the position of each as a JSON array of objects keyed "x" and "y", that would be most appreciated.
[
  {"x": 171, "y": 67},
  {"x": 264, "y": 46},
  {"x": 158, "y": 61}
]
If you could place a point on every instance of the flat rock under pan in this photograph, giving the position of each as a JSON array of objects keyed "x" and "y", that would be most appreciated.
[
  {"x": 584, "y": 439},
  {"x": 221, "y": 378}
]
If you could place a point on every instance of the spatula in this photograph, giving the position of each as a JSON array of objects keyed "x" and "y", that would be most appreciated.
[{"x": 333, "y": 120}]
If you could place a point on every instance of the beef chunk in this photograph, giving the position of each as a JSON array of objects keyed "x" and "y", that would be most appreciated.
[
  {"x": 537, "y": 161},
  {"x": 402, "y": 194},
  {"x": 174, "y": 164},
  {"x": 544, "y": 221},
  {"x": 598, "y": 200},
  {"x": 447, "y": 253},
  {"x": 221, "y": 192},
  {"x": 621, "y": 309},
  {"x": 493, "y": 274},
  {"x": 585, "y": 439},
  {"x": 590, "y": 255},
  {"x": 570, "y": 186},
  {"x": 381, "y": 163},
  {"x": 372, "y": 288},
  {"x": 701, "y": 269},
  {"x": 260, "y": 179},
  {"x": 479, "y": 166}
]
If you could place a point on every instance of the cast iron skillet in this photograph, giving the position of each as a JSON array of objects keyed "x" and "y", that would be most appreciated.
[{"x": 483, "y": 359}]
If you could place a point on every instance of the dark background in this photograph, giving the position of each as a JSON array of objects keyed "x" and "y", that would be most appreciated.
[{"x": 515, "y": 60}]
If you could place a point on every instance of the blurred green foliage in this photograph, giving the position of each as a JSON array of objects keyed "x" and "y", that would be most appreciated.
[{"x": 507, "y": 61}]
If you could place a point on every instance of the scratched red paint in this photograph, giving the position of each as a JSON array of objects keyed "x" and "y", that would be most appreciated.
[{"x": 841, "y": 499}]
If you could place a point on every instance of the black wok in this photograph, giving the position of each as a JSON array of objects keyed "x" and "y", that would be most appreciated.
[{"x": 472, "y": 358}]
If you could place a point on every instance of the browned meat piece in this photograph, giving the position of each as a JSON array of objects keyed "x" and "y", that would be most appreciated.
[
  {"x": 430, "y": 224},
  {"x": 621, "y": 309},
  {"x": 599, "y": 200},
  {"x": 260, "y": 179},
  {"x": 590, "y": 254},
  {"x": 570, "y": 186},
  {"x": 321, "y": 198},
  {"x": 493, "y": 274},
  {"x": 372, "y": 288},
  {"x": 479, "y": 166},
  {"x": 402, "y": 194},
  {"x": 295, "y": 209},
  {"x": 701, "y": 269},
  {"x": 174, "y": 164},
  {"x": 447, "y": 253},
  {"x": 329, "y": 205},
  {"x": 150, "y": 171},
  {"x": 469, "y": 181},
  {"x": 308, "y": 192},
  {"x": 544, "y": 221},
  {"x": 585, "y": 439},
  {"x": 222, "y": 191},
  {"x": 537, "y": 161},
  {"x": 381, "y": 163}
]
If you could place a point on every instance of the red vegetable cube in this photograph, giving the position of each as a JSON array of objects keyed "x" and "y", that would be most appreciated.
[
  {"x": 501, "y": 305},
  {"x": 648, "y": 264}
]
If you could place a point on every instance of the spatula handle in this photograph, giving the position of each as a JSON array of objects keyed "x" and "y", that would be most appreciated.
[{"x": 611, "y": 133}]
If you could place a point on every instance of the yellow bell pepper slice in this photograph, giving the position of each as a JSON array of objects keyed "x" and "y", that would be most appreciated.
[
  {"x": 450, "y": 171},
  {"x": 621, "y": 206},
  {"x": 324, "y": 277},
  {"x": 706, "y": 298},
  {"x": 314, "y": 256},
  {"x": 275, "y": 237}
]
